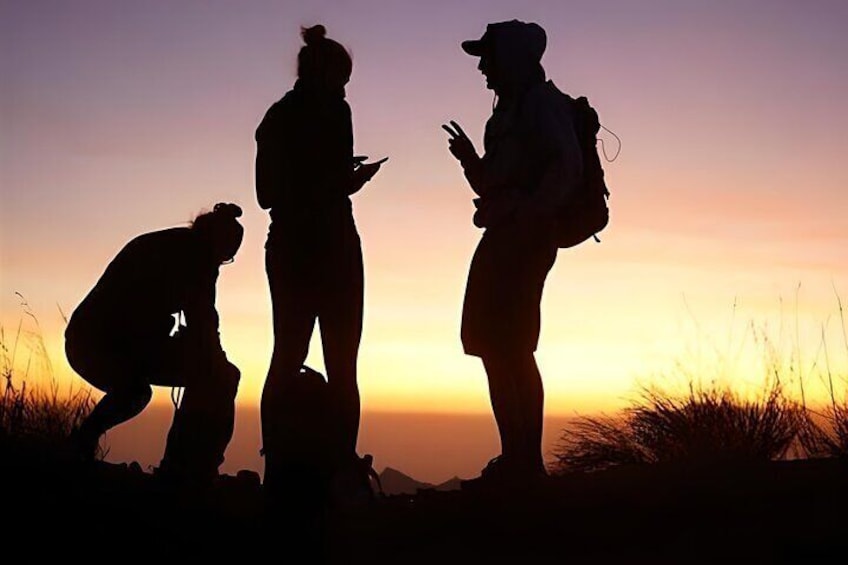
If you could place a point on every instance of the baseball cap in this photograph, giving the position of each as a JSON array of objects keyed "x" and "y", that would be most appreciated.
[{"x": 527, "y": 37}]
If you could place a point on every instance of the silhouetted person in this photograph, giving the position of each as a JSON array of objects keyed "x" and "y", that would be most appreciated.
[
  {"x": 305, "y": 174},
  {"x": 122, "y": 339},
  {"x": 529, "y": 165}
]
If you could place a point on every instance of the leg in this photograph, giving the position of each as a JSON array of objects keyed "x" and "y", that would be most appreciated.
[
  {"x": 203, "y": 425},
  {"x": 517, "y": 395},
  {"x": 292, "y": 300},
  {"x": 109, "y": 366},
  {"x": 531, "y": 392},
  {"x": 341, "y": 331},
  {"x": 293, "y": 323},
  {"x": 503, "y": 399},
  {"x": 120, "y": 404},
  {"x": 523, "y": 265}
]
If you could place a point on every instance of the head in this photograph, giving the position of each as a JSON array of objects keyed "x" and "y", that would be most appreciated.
[
  {"x": 221, "y": 230},
  {"x": 323, "y": 61},
  {"x": 510, "y": 53}
]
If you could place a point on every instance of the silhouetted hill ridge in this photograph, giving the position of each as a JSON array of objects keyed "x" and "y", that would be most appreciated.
[
  {"x": 786, "y": 512},
  {"x": 396, "y": 482}
]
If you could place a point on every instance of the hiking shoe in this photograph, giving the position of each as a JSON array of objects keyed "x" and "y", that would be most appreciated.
[{"x": 502, "y": 472}]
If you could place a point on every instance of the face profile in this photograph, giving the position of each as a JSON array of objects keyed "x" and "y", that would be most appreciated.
[{"x": 488, "y": 68}]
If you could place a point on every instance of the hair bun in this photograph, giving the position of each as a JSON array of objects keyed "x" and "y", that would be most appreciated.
[
  {"x": 313, "y": 34},
  {"x": 228, "y": 209}
]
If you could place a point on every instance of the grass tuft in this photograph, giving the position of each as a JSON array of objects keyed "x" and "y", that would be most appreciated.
[
  {"x": 825, "y": 430},
  {"x": 709, "y": 425},
  {"x": 36, "y": 416}
]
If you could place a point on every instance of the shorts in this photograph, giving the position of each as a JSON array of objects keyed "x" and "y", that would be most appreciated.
[{"x": 503, "y": 294}]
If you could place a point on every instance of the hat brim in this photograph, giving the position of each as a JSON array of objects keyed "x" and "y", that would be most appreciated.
[{"x": 473, "y": 47}]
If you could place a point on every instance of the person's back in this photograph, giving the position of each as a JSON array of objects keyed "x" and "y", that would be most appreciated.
[
  {"x": 306, "y": 139},
  {"x": 151, "y": 278}
]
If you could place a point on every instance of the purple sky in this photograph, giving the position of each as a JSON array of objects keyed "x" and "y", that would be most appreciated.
[{"x": 120, "y": 117}]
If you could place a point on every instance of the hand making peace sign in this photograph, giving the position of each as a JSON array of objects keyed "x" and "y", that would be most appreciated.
[{"x": 459, "y": 144}]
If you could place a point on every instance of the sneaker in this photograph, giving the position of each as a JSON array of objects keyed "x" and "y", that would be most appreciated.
[
  {"x": 503, "y": 472},
  {"x": 491, "y": 473}
]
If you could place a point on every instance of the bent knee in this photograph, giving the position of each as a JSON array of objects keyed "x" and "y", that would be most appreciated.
[{"x": 139, "y": 394}]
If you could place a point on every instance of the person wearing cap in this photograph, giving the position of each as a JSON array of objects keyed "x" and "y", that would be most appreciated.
[
  {"x": 151, "y": 320},
  {"x": 530, "y": 163}
]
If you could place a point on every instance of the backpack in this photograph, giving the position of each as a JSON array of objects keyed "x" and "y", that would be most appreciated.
[
  {"x": 586, "y": 213},
  {"x": 307, "y": 457}
]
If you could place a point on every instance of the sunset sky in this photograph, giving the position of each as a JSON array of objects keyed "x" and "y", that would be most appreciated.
[{"x": 729, "y": 195}]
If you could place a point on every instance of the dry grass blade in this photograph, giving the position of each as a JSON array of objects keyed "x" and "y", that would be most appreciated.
[{"x": 38, "y": 417}]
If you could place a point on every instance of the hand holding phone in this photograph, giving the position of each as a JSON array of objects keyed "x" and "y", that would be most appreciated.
[
  {"x": 359, "y": 161},
  {"x": 364, "y": 172}
]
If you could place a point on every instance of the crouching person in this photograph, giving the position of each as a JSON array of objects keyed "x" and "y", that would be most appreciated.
[{"x": 150, "y": 320}]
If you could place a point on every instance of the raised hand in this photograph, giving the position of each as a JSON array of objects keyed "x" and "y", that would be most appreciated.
[{"x": 459, "y": 144}]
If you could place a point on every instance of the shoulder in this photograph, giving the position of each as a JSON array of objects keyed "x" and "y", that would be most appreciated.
[
  {"x": 181, "y": 245},
  {"x": 545, "y": 111},
  {"x": 143, "y": 246},
  {"x": 545, "y": 99},
  {"x": 338, "y": 118},
  {"x": 340, "y": 109}
]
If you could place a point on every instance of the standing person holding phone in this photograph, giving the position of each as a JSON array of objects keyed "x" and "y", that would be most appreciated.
[{"x": 306, "y": 172}]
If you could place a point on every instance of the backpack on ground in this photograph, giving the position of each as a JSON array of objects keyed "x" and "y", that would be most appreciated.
[
  {"x": 586, "y": 213},
  {"x": 307, "y": 458}
]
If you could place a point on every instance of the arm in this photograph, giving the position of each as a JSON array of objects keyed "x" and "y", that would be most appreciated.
[
  {"x": 364, "y": 173},
  {"x": 203, "y": 339},
  {"x": 475, "y": 173},
  {"x": 358, "y": 172}
]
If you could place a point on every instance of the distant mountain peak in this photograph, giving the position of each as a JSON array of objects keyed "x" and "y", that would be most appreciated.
[{"x": 398, "y": 482}]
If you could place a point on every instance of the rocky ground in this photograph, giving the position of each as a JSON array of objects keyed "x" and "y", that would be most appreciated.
[{"x": 782, "y": 512}]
